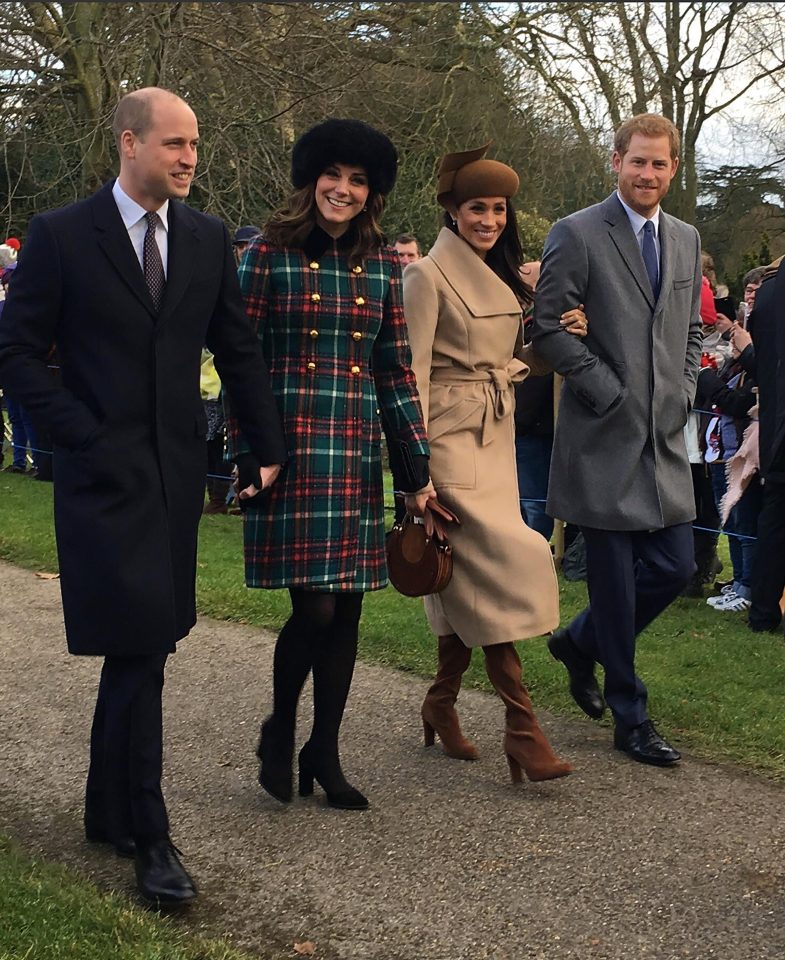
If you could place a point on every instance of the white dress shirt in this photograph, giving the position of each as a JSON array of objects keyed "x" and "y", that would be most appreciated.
[
  {"x": 134, "y": 219},
  {"x": 638, "y": 222}
]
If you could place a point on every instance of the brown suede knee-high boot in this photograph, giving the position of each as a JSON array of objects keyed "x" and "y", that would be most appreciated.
[
  {"x": 524, "y": 742},
  {"x": 438, "y": 709}
]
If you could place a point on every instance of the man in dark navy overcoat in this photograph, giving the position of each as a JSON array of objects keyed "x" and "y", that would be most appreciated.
[{"x": 131, "y": 284}]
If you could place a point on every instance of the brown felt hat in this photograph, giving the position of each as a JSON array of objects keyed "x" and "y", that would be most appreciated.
[{"x": 465, "y": 175}]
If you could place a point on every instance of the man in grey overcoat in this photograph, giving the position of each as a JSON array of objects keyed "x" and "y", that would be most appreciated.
[{"x": 619, "y": 467}]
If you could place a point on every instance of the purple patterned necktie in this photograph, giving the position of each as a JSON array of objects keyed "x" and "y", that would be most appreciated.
[{"x": 152, "y": 263}]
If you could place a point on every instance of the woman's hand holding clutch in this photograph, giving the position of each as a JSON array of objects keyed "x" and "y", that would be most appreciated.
[{"x": 415, "y": 502}]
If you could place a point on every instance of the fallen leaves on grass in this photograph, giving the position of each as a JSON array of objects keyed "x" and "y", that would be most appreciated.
[
  {"x": 306, "y": 949},
  {"x": 48, "y": 576}
]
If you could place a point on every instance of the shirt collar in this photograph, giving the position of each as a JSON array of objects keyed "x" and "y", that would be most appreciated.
[
  {"x": 638, "y": 221},
  {"x": 130, "y": 211}
]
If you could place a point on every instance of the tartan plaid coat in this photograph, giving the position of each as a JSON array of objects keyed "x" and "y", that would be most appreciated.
[{"x": 335, "y": 341}]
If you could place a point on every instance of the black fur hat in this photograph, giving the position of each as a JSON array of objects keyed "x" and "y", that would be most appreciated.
[{"x": 345, "y": 141}]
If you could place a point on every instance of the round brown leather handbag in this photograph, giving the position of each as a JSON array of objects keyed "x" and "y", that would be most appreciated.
[{"x": 419, "y": 555}]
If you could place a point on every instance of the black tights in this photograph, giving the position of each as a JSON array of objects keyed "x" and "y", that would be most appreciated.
[{"x": 320, "y": 635}]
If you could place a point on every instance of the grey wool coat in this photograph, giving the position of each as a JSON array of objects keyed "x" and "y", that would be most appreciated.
[
  {"x": 464, "y": 330},
  {"x": 619, "y": 459}
]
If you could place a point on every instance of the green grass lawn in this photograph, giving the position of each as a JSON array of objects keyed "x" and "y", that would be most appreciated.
[
  {"x": 714, "y": 686},
  {"x": 50, "y": 913}
]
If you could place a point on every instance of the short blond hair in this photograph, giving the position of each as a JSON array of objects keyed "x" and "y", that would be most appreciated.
[{"x": 647, "y": 125}]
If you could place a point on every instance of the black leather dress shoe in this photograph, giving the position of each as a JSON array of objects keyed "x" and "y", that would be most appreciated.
[
  {"x": 123, "y": 846},
  {"x": 645, "y": 745},
  {"x": 583, "y": 683},
  {"x": 161, "y": 879}
]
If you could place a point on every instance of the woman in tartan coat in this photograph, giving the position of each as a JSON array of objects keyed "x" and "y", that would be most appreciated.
[{"x": 325, "y": 297}]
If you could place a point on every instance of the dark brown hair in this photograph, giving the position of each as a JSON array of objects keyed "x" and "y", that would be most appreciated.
[
  {"x": 291, "y": 224},
  {"x": 407, "y": 238},
  {"x": 505, "y": 257}
]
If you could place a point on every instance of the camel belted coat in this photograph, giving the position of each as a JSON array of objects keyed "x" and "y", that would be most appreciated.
[{"x": 465, "y": 334}]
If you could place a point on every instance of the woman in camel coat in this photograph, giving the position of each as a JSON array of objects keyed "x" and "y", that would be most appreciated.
[{"x": 463, "y": 310}]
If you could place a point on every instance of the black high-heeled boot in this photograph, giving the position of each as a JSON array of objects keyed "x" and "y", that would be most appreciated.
[
  {"x": 328, "y": 774},
  {"x": 276, "y": 753}
]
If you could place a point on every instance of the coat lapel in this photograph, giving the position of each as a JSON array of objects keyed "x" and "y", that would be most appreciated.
[
  {"x": 183, "y": 244},
  {"x": 479, "y": 289},
  {"x": 668, "y": 240},
  {"x": 620, "y": 232},
  {"x": 114, "y": 241}
]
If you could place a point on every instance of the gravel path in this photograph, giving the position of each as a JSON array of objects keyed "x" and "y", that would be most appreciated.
[{"x": 618, "y": 862}]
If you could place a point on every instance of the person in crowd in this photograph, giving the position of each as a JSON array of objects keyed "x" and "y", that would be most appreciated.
[
  {"x": 143, "y": 282},
  {"x": 7, "y": 259},
  {"x": 707, "y": 562},
  {"x": 217, "y": 485},
  {"x": 767, "y": 326},
  {"x": 324, "y": 294},
  {"x": 408, "y": 249},
  {"x": 620, "y": 467},
  {"x": 752, "y": 281},
  {"x": 23, "y": 438},
  {"x": 731, "y": 392},
  {"x": 242, "y": 237},
  {"x": 533, "y": 429},
  {"x": 5, "y": 279},
  {"x": 463, "y": 305},
  {"x": 23, "y": 432}
]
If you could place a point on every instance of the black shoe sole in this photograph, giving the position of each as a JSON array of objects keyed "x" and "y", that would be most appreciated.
[
  {"x": 163, "y": 904},
  {"x": 649, "y": 761},
  {"x": 340, "y": 805}
]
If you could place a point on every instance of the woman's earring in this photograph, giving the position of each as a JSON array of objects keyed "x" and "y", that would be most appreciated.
[
  {"x": 365, "y": 209},
  {"x": 454, "y": 222}
]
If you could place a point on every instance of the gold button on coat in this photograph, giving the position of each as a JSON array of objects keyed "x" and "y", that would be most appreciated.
[
  {"x": 358, "y": 269},
  {"x": 360, "y": 301},
  {"x": 357, "y": 335},
  {"x": 311, "y": 365},
  {"x": 315, "y": 297},
  {"x": 314, "y": 333},
  {"x": 313, "y": 265},
  {"x": 355, "y": 370}
]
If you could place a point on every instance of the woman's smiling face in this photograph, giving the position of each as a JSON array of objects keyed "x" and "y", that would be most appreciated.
[
  {"x": 481, "y": 222},
  {"x": 341, "y": 193}
]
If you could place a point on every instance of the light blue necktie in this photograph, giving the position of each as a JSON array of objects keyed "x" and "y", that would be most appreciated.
[{"x": 650, "y": 258}]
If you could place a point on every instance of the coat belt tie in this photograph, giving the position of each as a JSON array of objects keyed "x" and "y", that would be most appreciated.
[{"x": 498, "y": 386}]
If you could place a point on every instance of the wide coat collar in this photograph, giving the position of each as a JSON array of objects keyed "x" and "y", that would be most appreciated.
[
  {"x": 116, "y": 244},
  {"x": 625, "y": 241},
  {"x": 475, "y": 284}
]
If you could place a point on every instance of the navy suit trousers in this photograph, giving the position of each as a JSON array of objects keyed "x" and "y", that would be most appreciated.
[
  {"x": 123, "y": 796},
  {"x": 632, "y": 577}
]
